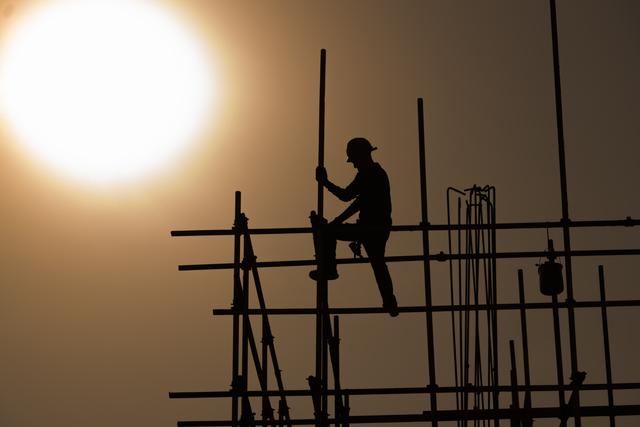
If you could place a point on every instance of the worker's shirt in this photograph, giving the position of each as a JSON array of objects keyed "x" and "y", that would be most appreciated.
[{"x": 373, "y": 195}]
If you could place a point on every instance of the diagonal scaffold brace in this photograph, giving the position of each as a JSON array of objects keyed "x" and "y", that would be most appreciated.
[{"x": 244, "y": 342}]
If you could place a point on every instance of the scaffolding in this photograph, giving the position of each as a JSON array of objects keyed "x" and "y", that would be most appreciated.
[{"x": 474, "y": 305}]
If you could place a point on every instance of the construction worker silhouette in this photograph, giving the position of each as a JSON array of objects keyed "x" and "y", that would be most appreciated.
[{"x": 371, "y": 191}]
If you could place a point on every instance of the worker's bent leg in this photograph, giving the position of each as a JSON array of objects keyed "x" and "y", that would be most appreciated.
[
  {"x": 383, "y": 278},
  {"x": 375, "y": 247}
]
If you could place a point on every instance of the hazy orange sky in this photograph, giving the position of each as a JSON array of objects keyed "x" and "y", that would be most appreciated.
[{"x": 96, "y": 323}]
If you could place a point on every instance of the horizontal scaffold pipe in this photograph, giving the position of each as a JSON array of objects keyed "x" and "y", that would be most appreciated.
[
  {"x": 628, "y": 222},
  {"x": 402, "y": 390},
  {"x": 435, "y": 308},
  {"x": 412, "y": 258},
  {"x": 454, "y": 415}
]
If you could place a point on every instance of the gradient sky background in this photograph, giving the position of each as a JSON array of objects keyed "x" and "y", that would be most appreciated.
[{"x": 96, "y": 323}]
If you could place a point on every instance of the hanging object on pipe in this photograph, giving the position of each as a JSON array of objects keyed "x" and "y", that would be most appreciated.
[{"x": 550, "y": 272}]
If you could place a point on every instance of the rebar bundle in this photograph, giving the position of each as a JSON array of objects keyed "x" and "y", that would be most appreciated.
[{"x": 473, "y": 283}]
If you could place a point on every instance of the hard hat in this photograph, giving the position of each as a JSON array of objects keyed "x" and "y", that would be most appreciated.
[{"x": 359, "y": 145}]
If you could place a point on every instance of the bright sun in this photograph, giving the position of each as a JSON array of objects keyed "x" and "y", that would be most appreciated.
[{"x": 104, "y": 90}]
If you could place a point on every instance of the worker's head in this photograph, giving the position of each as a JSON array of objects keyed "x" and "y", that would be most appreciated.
[{"x": 359, "y": 151}]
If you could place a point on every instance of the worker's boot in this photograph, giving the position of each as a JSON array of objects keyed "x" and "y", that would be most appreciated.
[
  {"x": 330, "y": 275},
  {"x": 390, "y": 304},
  {"x": 318, "y": 225}
]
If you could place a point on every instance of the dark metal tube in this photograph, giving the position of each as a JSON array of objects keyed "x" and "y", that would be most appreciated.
[
  {"x": 607, "y": 351},
  {"x": 266, "y": 404},
  {"x": 427, "y": 267},
  {"x": 321, "y": 291},
  {"x": 460, "y": 313},
  {"x": 266, "y": 336},
  {"x": 347, "y": 409},
  {"x": 462, "y": 308},
  {"x": 466, "y": 314},
  {"x": 245, "y": 332},
  {"x": 323, "y": 66},
  {"x": 235, "y": 306},
  {"x": 404, "y": 390},
  {"x": 441, "y": 257},
  {"x": 326, "y": 335},
  {"x": 525, "y": 339},
  {"x": 335, "y": 361},
  {"x": 629, "y": 222},
  {"x": 515, "y": 399},
  {"x": 452, "y": 415},
  {"x": 493, "y": 283},
  {"x": 573, "y": 349},
  {"x": 558, "y": 347}
]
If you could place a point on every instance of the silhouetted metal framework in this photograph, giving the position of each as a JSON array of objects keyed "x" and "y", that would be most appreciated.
[{"x": 480, "y": 253}]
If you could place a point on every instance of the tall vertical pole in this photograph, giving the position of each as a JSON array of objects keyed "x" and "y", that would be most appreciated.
[
  {"x": 321, "y": 292},
  {"x": 266, "y": 338},
  {"x": 565, "y": 208},
  {"x": 246, "y": 325},
  {"x": 605, "y": 334},
  {"x": 346, "y": 410},
  {"x": 558, "y": 347},
  {"x": 525, "y": 340},
  {"x": 337, "y": 399},
  {"x": 493, "y": 283},
  {"x": 526, "y": 421},
  {"x": 236, "y": 307},
  {"x": 427, "y": 267},
  {"x": 515, "y": 399},
  {"x": 323, "y": 66}
]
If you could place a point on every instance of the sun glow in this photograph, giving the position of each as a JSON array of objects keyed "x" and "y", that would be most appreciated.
[{"x": 104, "y": 91}]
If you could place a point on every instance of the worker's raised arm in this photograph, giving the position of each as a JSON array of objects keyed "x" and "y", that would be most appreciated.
[{"x": 344, "y": 194}]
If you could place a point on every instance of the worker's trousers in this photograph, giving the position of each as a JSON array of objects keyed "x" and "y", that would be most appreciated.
[{"x": 374, "y": 239}]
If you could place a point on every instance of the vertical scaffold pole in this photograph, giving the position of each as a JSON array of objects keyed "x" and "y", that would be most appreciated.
[
  {"x": 557, "y": 339},
  {"x": 236, "y": 306},
  {"x": 322, "y": 292},
  {"x": 337, "y": 399},
  {"x": 266, "y": 338},
  {"x": 565, "y": 208},
  {"x": 525, "y": 342},
  {"x": 607, "y": 351},
  {"x": 427, "y": 267},
  {"x": 515, "y": 399},
  {"x": 323, "y": 66},
  {"x": 246, "y": 325}
]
